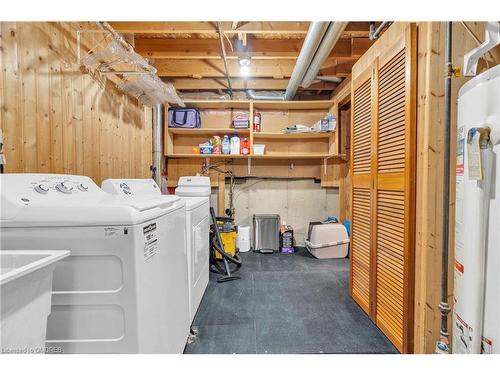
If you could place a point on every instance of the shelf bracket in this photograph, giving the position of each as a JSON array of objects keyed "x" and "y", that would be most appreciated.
[{"x": 325, "y": 164}]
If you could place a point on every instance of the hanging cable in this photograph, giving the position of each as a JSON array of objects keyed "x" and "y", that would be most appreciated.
[{"x": 224, "y": 58}]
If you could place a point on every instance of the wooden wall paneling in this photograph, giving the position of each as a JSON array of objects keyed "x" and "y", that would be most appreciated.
[
  {"x": 56, "y": 104},
  {"x": 11, "y": 113},
  {"x": 58, "y": 119},
  {"x": 410, "y": 185},
  {"x": 430, "y": 169},
  {"x": 42, "y": 100}
]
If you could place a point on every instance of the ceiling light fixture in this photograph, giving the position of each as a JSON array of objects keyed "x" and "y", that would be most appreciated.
[{"x": 245, "y": 65}]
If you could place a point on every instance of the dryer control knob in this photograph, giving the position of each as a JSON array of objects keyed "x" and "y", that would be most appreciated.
[
  {"x": 63, "y": 187},
  {"x": 42, "y": 189},
  {"x": 83, "y": 187}
]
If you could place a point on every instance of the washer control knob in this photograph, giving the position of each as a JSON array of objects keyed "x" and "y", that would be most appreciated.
[
  {"x": 83, "y": 187},
  {"x": 63, "y": 187},
  {"x": 42, "y": 189},
  {"x": 125, "y": 188}
]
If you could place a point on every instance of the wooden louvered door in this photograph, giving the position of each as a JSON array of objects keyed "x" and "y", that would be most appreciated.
[
  {"x": 361, "y": 160},
  {"x": 383, "y": 209}
]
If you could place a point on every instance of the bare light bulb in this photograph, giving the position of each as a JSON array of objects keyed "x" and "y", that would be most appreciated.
[{"x": 245, "y": 71}]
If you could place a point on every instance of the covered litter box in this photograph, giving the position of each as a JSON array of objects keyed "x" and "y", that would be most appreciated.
[{"x": 327, "y": 240}]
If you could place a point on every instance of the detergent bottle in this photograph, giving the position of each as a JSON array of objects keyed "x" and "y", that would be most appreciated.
[
  {"x": 245, "y": 146},
  {"x": 235, "y": 145},
  {"x": 226, "y": 145}
]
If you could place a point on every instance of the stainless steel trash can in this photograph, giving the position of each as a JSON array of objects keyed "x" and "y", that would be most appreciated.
[{"x": 266, "y": 233}]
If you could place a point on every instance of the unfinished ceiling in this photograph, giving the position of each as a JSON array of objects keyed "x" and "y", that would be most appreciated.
[{"x": 188, "y": 54}]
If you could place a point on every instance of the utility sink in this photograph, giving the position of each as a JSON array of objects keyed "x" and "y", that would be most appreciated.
[{"x": 25, "y": 296}]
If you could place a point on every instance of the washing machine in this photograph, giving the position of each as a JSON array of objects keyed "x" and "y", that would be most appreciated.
[
  {"x": 196, "y": 192},
  {"x": 109, "y": 295}
]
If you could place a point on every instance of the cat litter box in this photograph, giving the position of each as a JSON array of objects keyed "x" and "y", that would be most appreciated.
[{"x": 327, "y": 240}]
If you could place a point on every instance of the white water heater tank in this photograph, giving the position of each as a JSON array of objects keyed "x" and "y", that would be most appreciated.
[{"x": 476, "y": 327}]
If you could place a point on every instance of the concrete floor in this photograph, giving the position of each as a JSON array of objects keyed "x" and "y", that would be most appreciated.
[{"x": 285, "y": 304}]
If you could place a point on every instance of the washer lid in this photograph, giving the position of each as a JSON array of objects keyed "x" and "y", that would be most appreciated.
[
  {"x": 48, "y": 200},
  {"x": 194, "y": 186},
  {"x": 131, "y": 186}
]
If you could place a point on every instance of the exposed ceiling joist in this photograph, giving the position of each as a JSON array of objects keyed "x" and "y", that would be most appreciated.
[
  {"x": 210, "y": 27},
  {"x": 259, "y": 49},
  {"x": 242, "y": 84},
  {"x": 258, "y": 69},
  {"x": 354, "y": 29}
]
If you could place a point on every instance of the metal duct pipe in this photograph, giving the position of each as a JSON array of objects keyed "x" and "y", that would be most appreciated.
[
  {"x": 375, "y": 33},
  {"x": 332, "y": 35},
  {"x": 309, "y": 47},
  {"x": 332, "y": 79},
  {"x": 157, "y": 166},
  {"x": 251, "y": 94}
]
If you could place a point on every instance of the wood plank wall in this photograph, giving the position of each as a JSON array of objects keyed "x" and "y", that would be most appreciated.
[
  {"x": 430, "y": 169},
  {"x": 57, "y": 119}
]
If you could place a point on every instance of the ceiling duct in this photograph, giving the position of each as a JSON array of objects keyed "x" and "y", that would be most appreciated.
[
  {"x": 332, "y": 79},
  {"x": 311, "y": 43},
  {"x": 332, "y": 35}
]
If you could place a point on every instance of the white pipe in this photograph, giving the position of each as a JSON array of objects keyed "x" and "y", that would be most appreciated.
[
  {"x": 251, "y": 94},
  {"x": 329, "y": 79},
  {"x": 157, "y": 143},
  {"x": 332, "y": 35},
  {"x": 375, "y": 33}
]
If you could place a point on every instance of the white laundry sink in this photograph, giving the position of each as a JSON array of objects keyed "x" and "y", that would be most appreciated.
[{"x": 25, "y": 295}]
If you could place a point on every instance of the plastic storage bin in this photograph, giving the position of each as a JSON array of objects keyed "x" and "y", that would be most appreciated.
[
  {"x": 259, "y": 149},
  {"x": 26, "y": 289},
  {"x": 329, "y": 240}
]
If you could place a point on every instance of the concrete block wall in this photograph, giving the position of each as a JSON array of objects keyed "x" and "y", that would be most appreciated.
[{"x": 298, "y": 202}]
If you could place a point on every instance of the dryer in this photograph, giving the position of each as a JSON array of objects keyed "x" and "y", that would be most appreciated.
[
  {"x": 109, "y": 295},
  {"x": 196, "y": 191},
  {"x": 197, "y": 228}
]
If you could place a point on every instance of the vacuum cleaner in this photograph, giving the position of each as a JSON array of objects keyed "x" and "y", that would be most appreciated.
[{"x": 220, "y": 255}]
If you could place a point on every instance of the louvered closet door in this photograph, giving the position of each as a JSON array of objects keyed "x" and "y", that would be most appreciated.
[
  {"x": 361, "y": 160},
  {"x": 390, "y": 195}
]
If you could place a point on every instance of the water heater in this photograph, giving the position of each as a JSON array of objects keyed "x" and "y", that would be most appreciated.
[{"x": 476, "y": 327}]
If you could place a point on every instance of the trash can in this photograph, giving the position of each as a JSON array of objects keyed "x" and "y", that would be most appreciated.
[
  {"x": 266, "y": 233},
  {"x": 26, "y": 288}
]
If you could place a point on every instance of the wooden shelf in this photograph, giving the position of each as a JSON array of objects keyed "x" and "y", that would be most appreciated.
[
  {"x": 208, "y": 131},
  {"x": 291, "y": 136},
  {"x": 214, "y": 156},
  {"x": 308, "y": 155},
  {"x": 265, "y": 156}
]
